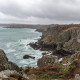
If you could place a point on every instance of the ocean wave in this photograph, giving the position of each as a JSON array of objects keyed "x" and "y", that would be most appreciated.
[{"x": 17, "y": 46}]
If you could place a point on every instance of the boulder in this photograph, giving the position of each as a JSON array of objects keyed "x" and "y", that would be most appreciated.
[
  {"x": 47, "y": 60},
  {"x": 27, "y": 57},
  {"x": 5, "y": 64}
]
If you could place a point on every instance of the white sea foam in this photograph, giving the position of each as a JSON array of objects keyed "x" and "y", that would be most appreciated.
[
  {"x": 8, "y": 45},
  {"x": 10, "y": 50}
]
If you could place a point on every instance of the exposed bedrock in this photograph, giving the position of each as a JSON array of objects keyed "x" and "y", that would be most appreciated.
[{"x": 5, "y": 64}]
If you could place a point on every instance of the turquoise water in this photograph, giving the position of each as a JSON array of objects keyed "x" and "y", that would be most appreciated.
[{"x": 14, "y": 42}]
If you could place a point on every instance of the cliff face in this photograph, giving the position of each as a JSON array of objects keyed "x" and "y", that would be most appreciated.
[{"x": 62, "y": 37}]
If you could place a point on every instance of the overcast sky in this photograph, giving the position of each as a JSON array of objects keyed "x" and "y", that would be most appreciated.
[{"x": 40, "y": 11}]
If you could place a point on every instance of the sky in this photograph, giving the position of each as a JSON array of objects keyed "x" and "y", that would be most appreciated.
[{"x": 40, "y": 11}]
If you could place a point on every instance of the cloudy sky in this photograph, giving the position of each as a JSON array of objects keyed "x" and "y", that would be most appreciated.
[{"x": 40, "y": 11}]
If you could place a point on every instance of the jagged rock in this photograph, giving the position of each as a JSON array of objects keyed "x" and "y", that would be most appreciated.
[
  {"x": 3, "y": 57},
  {"x": 47, "y": 60},
  {"x": 5, "y": 64},
  {"x": 27, "y": 57}
]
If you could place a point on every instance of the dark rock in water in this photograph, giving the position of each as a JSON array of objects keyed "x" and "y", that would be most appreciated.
[
  {"x": 47, "y": 60},
  {"x": 27, "y": 57},
  {"x": 5, "y": 63},
  {"x": 34, "y": 46}
]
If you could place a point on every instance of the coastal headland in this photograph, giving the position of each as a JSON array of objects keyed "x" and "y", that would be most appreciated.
[{"x": 62, "y": 60}]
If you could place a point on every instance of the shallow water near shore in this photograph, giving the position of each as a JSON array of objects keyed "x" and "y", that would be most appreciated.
[{"x": 14, "y": 42}]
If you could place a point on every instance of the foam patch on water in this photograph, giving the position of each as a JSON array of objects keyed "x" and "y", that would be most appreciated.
[
  {"x": 10, "y": 50},
  {"x": 8, "y": 45}
]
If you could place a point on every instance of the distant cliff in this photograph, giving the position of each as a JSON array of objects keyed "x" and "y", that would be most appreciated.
[{"x": 40, "y": 28}]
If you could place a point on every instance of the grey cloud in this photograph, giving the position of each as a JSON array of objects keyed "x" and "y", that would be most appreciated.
[{"x": 49, "y": 11}]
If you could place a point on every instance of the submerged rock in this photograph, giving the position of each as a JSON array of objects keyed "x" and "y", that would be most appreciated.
[{"x": 47, "y": 60}]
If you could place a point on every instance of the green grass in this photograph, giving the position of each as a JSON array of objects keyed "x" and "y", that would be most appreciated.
[{"x": 63, "y": 75}]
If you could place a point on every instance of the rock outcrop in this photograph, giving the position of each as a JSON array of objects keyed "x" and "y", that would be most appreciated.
[
  {"x": 47, "y": 60},
  {"x": 5, "y": 64}
]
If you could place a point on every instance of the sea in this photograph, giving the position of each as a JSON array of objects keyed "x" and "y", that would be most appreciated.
[{"x": 14, "y": 42}]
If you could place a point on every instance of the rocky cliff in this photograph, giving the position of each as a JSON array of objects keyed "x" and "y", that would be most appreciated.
[
  {"x": 63, "y": 39},
  {"x": 67, "y": 37}
]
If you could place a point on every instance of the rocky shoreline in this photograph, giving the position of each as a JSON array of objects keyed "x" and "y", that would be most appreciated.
[{"x": 62, "y": 62}]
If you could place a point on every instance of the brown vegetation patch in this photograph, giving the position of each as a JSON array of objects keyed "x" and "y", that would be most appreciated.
[{"x": 70, "y": 28}]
